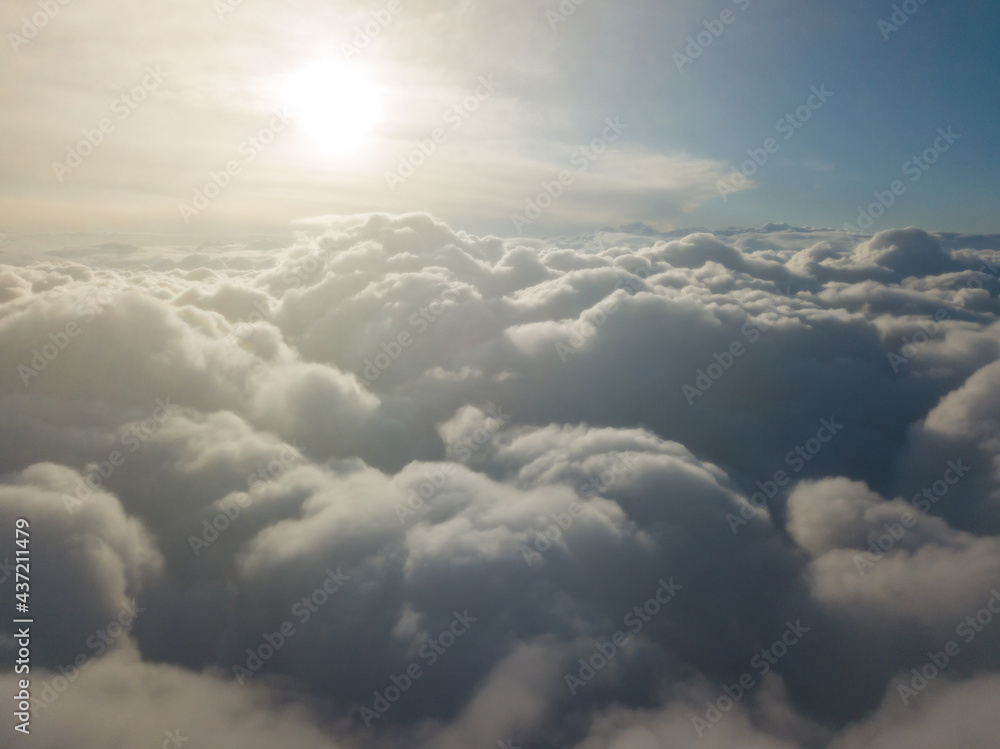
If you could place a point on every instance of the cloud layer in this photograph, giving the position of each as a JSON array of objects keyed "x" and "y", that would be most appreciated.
[{"x": 394, "y": 482}]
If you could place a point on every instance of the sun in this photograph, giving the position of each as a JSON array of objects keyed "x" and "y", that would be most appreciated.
[{"x": 336, "y": 104}]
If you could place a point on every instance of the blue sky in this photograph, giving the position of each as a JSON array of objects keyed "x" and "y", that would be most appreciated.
[
  {"x": 890, "y": 96},
  {"x": 557, "y": 81}
]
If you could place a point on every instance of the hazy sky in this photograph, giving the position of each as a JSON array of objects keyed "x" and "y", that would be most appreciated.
[
  {"x": 554, "y": 79},
  {"x": 552, "y": 374}
]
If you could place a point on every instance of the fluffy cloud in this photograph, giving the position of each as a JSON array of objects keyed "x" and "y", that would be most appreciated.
[{"x": 429, "y": 486}]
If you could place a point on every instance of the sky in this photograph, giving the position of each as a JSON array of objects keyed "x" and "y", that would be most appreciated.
[
  {"x": 520, "y": 375},
  {"x": 695, "y": 86}
]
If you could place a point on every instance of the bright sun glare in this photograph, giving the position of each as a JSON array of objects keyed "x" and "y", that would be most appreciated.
[{"x": 335, "y": 104}]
